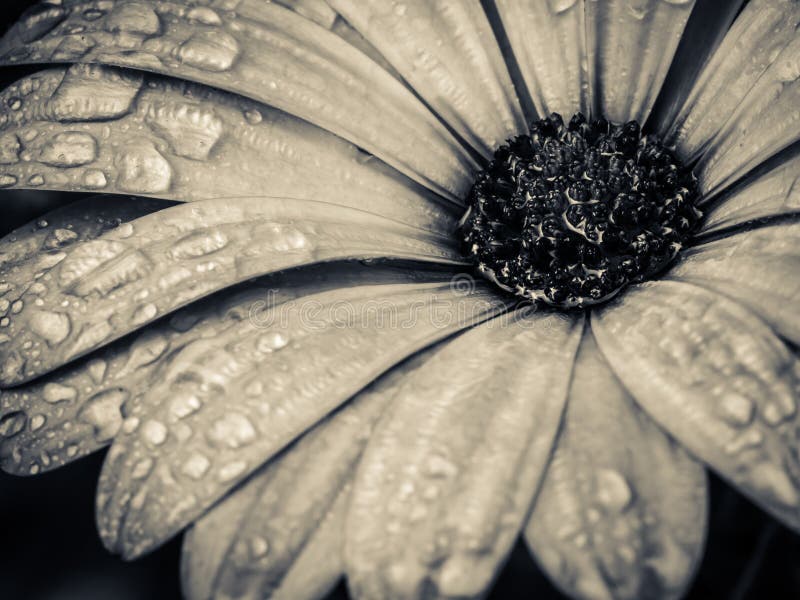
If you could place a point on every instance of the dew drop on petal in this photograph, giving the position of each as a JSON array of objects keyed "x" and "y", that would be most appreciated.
[
  {"x": 55, "y": 392},
  {"x": 209, "y": 50},
  {"x": 69, "y": 149},
  {"x": 37, "y": 422},
  {"x": 154, "y": 432},
  {"x": 103, "y": 412},
  {"x": 12, "y": 423},
  {"x": 184, "y": 405},
  {"x": 196, "y": 466},
  {"x": 95, "y": 179},
  {"x": 613, "y": 491},
  {"x": 233, "y": 430},
  {"x": 142, "y": 468},
  {"x": 133, "y": 17},
  {"x": 232, "y": 471}
]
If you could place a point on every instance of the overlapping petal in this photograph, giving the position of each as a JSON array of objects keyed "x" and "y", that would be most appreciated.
[
  {"x": 717, "y": 378},
  {"x": 102, "y": 289},
  {"x": 96, "y": 128},
  {"x": 630, "y": 45},
  {"x": 759, "y": 268},
  {"x": 450, "y": 472},
  {"x": 548, "y": 41},
  {"x": 446, "y": 51},
  {"x": 273, "y": 55},
  {"x": 753, "y": 43},
  {"x": 221, "y": 407},
  {"x": 622, "y": 509},
  {"x": 247, "y": 546}
]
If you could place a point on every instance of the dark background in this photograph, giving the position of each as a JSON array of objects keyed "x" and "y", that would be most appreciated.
[{"x": 49, "y": 548}]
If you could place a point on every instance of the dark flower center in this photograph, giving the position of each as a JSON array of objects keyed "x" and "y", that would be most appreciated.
[{"x": 571, "y": 214}]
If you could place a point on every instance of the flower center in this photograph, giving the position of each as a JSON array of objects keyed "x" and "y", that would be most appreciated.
[{"x": 571, "y": 214}]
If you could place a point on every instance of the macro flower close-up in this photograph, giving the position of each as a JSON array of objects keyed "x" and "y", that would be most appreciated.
[{"x": 373, "y": 291}]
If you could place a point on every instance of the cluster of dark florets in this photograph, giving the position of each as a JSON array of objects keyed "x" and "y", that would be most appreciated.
[{"x": 570, "y": 214}]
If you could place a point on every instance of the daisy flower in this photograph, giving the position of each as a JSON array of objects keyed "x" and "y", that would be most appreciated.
[{"x": 386, "y": 285}]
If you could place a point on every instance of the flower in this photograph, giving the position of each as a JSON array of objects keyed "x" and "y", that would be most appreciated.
[{"x": 329, "y": 149}]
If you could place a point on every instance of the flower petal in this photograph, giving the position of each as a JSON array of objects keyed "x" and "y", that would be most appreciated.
[
  {"x": 76, "y": 410},
  {"x": 102, "y": 289},
  {"x": 92, "y": 128},
  {"x": 765, "y": 122},
  {"x": 704, "y": 32},
  {"x": 759, "y": 268},
  {"x": 630, "y": 45},
  {"x": 548, "y": 41},
  {"x": 282, "y": 505},
  {"x": 275, "y": 56},
  {"x": 767, "y": 194},
  {"x": 253, "y": 389},
  {"x": 447, "y": 53},
  {"x": 717, "y": 379},
  {"x": 450, "y": 472},
  {"x": 758, "y": 35},
  {"x": 622, "y": 509}
]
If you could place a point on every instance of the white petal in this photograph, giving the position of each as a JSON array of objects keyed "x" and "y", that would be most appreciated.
[
  {"x": 758, "y": 268},
  {"x": 274, "y": 56},
  {"x": 630, "y": 44},
  {"x": 450, "y": 472},
  {"x": 717, "y": 378},
  {"x": 622, "y": 510},
  {"x": 447, "y": 53},
  {"x": 95, "y": 128},
  {"x": 254, "y": 389},
  {"x": 758, "y": 35},
  {"x": 767, "y": 194},
  {"x": 547, "y": 37},
  {"x": 104, "y": 288}
]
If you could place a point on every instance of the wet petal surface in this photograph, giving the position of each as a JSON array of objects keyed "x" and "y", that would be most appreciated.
[
  {"x": 449, "y": 474},
  {"x": 622, "y": 510},
  {"x": 717, "y": 378}
]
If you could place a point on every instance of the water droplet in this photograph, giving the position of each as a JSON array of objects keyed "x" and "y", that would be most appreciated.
[
  {"x": 191, "y": 131},
  {"x": 97, "y": 369},
  {"x": 94, "y": 93},
  {"x": 613, "y": 491},
  {"x": 36, "y": 180},
  {"x": 55, "y": 392},
  {"x": 103, "y": 412},
  {"x": 145, "y": 313},
  {"x": 92, "y": 14},
  {"x": 95, "y": 179},
  {"x": 232, "y": 471},
  {"x": 59, "y": 238},
  {"x": 269, "y": 342},
  {"x": 133, "y": 17},
  {"x": 233, "y": 430},
  {"x": 14, "y": 103},
  {"x": 130, "y": 425},
  {"x": 736, "y": 410},
  {"x": 142, "y": 468},
  {"x": 560, "y": 6},
  {"x": 209, "y": 51},
  {"x": 196, "y": 466},
  {"x": 37, "y": 422},
  {"x": 204, "y": 15},
  {"x": 439, "y": 466},
  {"x": 142, "y": 169},
  {"x": 10, "y": 148},
  {"x": 184, "y": 405},
  {"x": 69, "y": 149},
  {"x": 16, "y": 307},
  {"x": 154, "y": 432},
  {"x": 199, "y": 244},
  {"x": 7, "y": 180},
  {"x": 12, "y": 423},
  {"x": 253, "y": 116},
  {"x": 259, "y": 547},
  {"x": 146, "y": 349},
  {"x": 51, "y": 326}
]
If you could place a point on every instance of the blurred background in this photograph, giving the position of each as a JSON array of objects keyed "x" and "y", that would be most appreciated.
[{"x": 50, "y": 549}]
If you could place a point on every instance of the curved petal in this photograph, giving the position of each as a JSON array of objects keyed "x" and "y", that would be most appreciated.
[
  {"x": 768, "y": 194},
  {"x": 282, "y": 59},
  {"x": 759, "y": 34},
  {"x": 282, "y": 505},
  {"x": 102, "y": 289},
  {"x": 76, "y": 410},
  {"x": 622, "y": 509},
  {"x": 717, "y": 379},
  {"x": 93, "y": 128},
  {"x": 452, "y": 467},
  {"x": 759, "y": 268},
  {"x": 548, "y": 41},
  {"x": 446, "y": 51},
  {"x": 704, "y": 32},
  {"x": 630, "y": 44},
  {"x": 232, "y": 402},
  {"x": 765, "y": 122}
]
